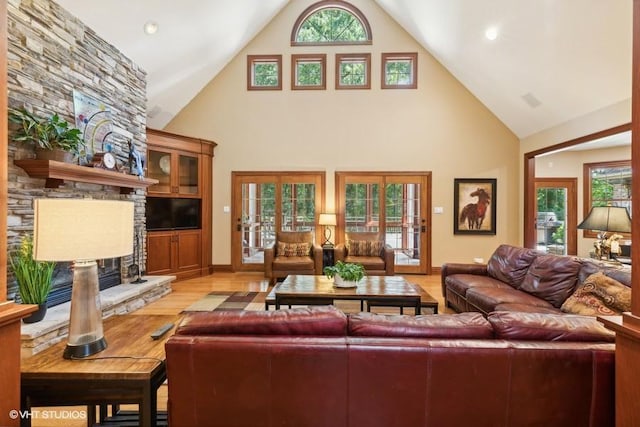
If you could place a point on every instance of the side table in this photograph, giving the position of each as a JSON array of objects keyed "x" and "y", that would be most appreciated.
[
  {"x": 327, "y": 256},
  {"x": 130, "y": 370}
]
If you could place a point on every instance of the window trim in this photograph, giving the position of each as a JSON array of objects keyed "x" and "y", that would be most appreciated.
[
  {"x": 365, "y": 58},
  {"x": 254, "y": 59},
  {"x": 586, "y": 192},
  {"x": 328, "y": 4},
  {"x": 387, "y": 57},
  {"x": 321, "y": 58}
]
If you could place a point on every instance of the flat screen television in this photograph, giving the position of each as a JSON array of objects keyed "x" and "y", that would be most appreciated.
[{"x": 172, "y": 214}]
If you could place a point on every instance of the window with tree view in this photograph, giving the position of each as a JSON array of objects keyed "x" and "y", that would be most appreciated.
[
  {"x": 308, "y": 71},
  {"x": 352, "y": 71},
  {"x": 607, "y": 184},
  {"x": 331, "y": 22},
  {"x": 399, "y": 70},
  {"x": 264, "y": 72}
]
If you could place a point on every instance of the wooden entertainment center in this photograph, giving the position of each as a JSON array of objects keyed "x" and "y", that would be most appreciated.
[{"x": 178, "y": 208}]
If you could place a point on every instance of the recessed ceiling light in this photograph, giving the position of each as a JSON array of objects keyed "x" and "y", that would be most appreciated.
[
  {"x": 491, "y": 33},
  {"x": 150, "y": 27}
]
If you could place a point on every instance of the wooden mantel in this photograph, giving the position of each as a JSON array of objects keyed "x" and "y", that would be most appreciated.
[{"x": 57, "y": 172}]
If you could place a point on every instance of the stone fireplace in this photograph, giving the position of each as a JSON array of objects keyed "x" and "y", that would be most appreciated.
[
  {"x": 109, "y": 275},
  {"x": 51, "y": 53}
]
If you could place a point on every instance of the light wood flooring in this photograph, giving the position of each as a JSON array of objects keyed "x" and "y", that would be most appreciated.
[{"x": 189, "y": 291}]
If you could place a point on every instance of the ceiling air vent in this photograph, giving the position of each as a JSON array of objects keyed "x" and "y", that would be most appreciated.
[{"x": 531, "y": 100}]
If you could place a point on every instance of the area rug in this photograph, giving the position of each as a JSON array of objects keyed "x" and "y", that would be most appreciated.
[
  {"x": 227, "y": 301},
  {"x": 230, "y": 300}
]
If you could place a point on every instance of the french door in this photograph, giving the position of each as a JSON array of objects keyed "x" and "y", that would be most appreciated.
[
  {"x": 267, "y": 202},
  {"x": 556, "y": 215},
  {"x": 395, "y": 204}
]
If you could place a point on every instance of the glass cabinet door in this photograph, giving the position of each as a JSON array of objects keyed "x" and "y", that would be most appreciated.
[
  {"x": 159, "y": 167},
  {"x": 188, "y": 174}
]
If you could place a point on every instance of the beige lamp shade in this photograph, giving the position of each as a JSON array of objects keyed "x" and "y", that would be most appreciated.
[
  {"x": 327, "y": 219},
  {"x": 607, "y": 218},
  {"x": 82, "y": 229}
]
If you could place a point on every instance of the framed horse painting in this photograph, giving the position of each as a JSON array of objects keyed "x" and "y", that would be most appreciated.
[{"x": 474, "y": 206}]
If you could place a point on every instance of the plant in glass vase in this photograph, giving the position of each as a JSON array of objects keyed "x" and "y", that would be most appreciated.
[{"x": 345, "y": 275}]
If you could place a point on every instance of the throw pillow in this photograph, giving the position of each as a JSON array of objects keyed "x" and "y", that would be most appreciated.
[
  {"x": 293, "y": 249},
  {"x": 599, "y": 295},
  {"x": 365, "y": 247}
]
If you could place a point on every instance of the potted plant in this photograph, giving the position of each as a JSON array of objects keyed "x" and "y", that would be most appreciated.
[
  {"x": 33, "y": 277},
  {"x": 53, "y": 138},
  {"x": 345, "y": 275}
]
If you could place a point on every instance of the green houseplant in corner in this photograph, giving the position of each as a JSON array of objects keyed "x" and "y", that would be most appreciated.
[
  {"x": 345, "y": 275},
  {"x": 53, "y": 138},
  {"x": 33, "y": 277}
]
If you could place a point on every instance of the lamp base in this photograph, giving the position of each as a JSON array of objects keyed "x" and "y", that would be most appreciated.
[{"x": 84, "y": 350}]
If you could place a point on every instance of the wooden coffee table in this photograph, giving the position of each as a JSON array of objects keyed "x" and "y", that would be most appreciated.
[
  {"x": 392, "y": 291},
  {"x": 130, "y": 370}
]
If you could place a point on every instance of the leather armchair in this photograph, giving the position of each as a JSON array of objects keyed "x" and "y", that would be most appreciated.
[
  {"x": 278, "y": 265},
  {"x": 380, "y": 265}
]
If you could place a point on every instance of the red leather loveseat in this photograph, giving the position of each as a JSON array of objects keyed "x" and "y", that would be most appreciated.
[{"x": 317, "y": 367}]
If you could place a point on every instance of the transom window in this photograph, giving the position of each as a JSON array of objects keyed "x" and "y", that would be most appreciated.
[
  {"x": 352, "y": 70},
  {"x": 399, "y": 70},
  {"x": 331, "y": 22},
  {"x": 308, "y": 71},
  {"x": 264, "y": 72}
]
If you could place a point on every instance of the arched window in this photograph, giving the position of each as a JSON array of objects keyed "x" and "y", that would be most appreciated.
[{"x": 331, "y": 22}]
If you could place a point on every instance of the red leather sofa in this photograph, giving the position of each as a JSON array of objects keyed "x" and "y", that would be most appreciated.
[
  {"x": 317, "y": 367},
  {"x": 519, "y": 279}
]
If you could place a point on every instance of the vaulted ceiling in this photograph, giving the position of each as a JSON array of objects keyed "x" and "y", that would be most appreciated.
[{"x": 552, "y": 60}]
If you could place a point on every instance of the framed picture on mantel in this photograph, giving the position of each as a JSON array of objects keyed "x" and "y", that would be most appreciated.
[{"x": 474, "y": 201}]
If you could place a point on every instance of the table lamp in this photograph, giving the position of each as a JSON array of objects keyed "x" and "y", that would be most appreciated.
[
  {"x": 606, "y": 219},
  {"x": 82, "y": 231},
  {"x": 327, "y": 219}
]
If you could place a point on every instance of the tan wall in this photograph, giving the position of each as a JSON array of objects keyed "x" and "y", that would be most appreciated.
[
  {"x": 440, "y": 127},
  {"x": 569, "y": 164},
  {"x": 605, "y": 118}
]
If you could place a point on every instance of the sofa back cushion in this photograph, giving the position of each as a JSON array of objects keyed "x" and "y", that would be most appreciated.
[
  {"x": 320, "y": 321},
  {"x": 548, "y": 327},
  {"x": 463, "y": 325},
  {"x": 619, "y": 273},
  {"x": 295, "y": 236},
  {"x": 509, "y": 264},
  {"x": 552, "y": 278}
]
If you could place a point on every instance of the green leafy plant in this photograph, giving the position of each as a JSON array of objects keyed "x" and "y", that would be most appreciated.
[
  {"x": 48, "y": 133},
  {"x": 33, "y": 277},
  {"x": 348, "y": 271}
]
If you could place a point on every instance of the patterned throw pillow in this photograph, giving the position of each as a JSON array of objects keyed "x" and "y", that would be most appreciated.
[
  {"x": 599, "y": 295},
  {"x": 293, "y": 249},
  {"x": 365, "y": 247}
]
